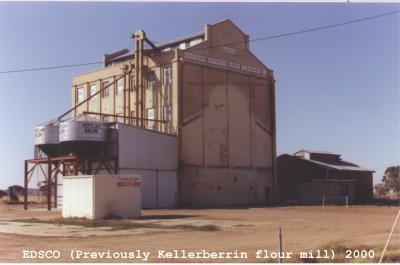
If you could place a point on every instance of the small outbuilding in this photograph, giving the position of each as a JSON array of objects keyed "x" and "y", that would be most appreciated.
[
  {"x": 311, "y": 177},
  {"x": 101, "y": 196}
]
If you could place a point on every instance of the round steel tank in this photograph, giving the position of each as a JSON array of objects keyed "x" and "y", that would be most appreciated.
[
  {"x": 82, "y": 128},
  {"x": 46, "y": 139},
  {"x": 46, "y": 134}
]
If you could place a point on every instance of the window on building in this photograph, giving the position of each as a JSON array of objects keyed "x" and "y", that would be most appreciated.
[
  {"x": 150, "y": 116},
  {"x": 184, "y": 45},
  {"x": 168, "y": 113},
  {"x": 80, "y": 94},
  {"x": 133, "y": 83},
  {"x": 167, "y": 76},
  {"x": 93, "y": 90},
  {"x": 106, "y": 91},
  {"x": 151, "y": 79},
  {"x": 195, "y": 42},
  {"x": 132, "y": 121},
  {"x": 120, "y": 86},
  {"x": 120, "y": 119}
]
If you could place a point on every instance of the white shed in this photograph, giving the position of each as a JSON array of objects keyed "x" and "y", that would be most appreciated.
[{"x": 101, "y": 196}]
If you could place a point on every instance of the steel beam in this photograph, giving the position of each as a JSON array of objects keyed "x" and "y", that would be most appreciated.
[
  {"x": 49, "y": 186},
  {"x": 26, "y": 186}
]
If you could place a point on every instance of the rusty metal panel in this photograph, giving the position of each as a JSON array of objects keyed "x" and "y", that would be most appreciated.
[
  {"x": 239, "y": 121},
  {"x": 215, "y": 118}
]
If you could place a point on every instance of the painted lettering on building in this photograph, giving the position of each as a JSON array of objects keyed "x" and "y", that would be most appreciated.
[
  {"x": 91, "y": 127},
  {"x": 128, "y": 182},
  {"x": 228, "y": 50},
  {"x": 224, "y": 63}
]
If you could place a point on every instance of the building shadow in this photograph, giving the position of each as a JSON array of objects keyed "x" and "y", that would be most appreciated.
[{"x": 165, "y": 216}]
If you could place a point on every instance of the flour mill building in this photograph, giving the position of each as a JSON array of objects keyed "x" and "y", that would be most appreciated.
[{"x": 208, "y": 92}]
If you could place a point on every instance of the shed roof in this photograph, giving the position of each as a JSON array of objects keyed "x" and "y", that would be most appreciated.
[
  {"x": 176, "y": 41},
  {"x": 339, "y": 165},
  {"x": 317, "y": 152}
]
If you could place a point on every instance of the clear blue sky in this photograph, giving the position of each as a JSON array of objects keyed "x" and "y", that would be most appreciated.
[{"x": 336, "y": 90}]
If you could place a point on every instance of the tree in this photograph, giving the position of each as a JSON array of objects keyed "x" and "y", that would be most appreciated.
[
  {"x": 391, "y": 179},
  {"x": 380, "y": 189}
]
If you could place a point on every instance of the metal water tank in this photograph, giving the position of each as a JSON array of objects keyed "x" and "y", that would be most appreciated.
[
  {"x": 46, "y": 134},
  {"x": 83, "y": 128}
]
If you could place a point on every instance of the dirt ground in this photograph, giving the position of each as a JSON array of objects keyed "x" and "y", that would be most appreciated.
[{"x": 304, "y": 228}]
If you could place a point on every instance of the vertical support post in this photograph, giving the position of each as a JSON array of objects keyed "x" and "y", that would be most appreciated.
[
  {"x": 137, "y": 82},
  {"x": 75, "y": 99},
  {"x": 101, "y": 97},
  {"x": 114, "y": 98},
  {"x": 87, "y": 95},
  {"x": 129, "y": 92},
  {"x": 89, "y": 170},
  {"x": 139, "y": 37},
  {"x": 49, "y": 186},
  {"x": 26, "y": 186},
  {"x": 116, "y": 166},
  {"x": 75, "y": 164},
  {"x": 55, "y": 187},
  {"x": 323, "y": 202},
  {"x": 280, "y": 245},
  {"x": 347, "y": 201}
]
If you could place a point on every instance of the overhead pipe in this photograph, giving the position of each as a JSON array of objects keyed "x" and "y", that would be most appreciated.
[{"x": 122, "y": 116}]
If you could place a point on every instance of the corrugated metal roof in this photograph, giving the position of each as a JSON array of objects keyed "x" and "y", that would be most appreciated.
[
  {"x": 180, "y": 39},
  {"x": 316, "y": 152},
  {"x": 120, "y": 59},
  {"x": 341, "y": 165}
]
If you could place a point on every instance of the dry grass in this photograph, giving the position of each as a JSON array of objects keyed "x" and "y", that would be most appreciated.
[
  {"x": 304, "y": 229},
  {"x": 392, "y": 254},
  {"x": 116, "y": 224}
]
